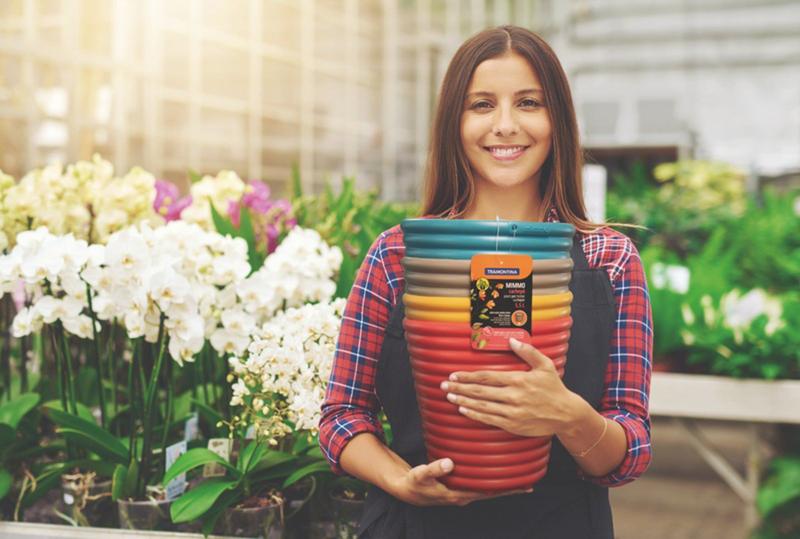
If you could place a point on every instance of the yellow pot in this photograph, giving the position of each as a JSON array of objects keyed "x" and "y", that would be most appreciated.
[{"x": 442, "y": 303}]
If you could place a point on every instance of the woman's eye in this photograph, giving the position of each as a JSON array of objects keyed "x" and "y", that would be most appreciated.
[
  {"x": 530, "y": 103},
  {"x": 481, "y": 105}
]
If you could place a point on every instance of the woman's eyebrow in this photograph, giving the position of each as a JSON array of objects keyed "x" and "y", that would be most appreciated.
[{"x": 518, "y": 93}]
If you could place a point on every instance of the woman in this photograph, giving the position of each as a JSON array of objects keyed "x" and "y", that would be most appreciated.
[{"x": 504, "y": 144}]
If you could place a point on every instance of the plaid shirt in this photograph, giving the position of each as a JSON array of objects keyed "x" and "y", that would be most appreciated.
[{"x": 351, "y": 405}]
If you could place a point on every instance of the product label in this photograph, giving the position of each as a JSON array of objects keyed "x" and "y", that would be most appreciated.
[
  {"x": 191, "y": 430},
  {"x": 500, "y": 299},
  {"x": 222, "y": 447},
  {"x": 177, "y": 486}
]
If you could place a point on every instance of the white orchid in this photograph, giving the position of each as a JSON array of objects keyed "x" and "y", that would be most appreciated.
[{"x": 290, "y": 360}]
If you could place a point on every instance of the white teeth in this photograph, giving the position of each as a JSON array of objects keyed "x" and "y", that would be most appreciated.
[{"x": 505, "y": 152}]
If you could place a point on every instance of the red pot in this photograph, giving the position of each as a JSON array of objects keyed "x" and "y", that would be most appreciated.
[
  {"x": 488, "y": 434},
  {"x": 469, "y": 356},
  {"x": 521, "y": 443},
  {"x": 503, "y": 459},
  {"x": 457, "y": 482},
  {"x": 463, "y": 341},
  {"x": 450, "y": 329},
  {"x": 431, "y": 367},
  {"x": 500, "y": 472}
]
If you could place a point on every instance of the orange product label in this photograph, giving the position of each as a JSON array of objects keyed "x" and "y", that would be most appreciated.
[{"x": 501, "y": 289}]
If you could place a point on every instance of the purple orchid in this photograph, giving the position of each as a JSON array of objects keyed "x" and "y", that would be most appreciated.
[{"x": 168, "y": 203}]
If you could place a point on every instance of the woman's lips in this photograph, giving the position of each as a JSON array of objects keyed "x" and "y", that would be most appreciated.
[{"x": 506, "y": 153}]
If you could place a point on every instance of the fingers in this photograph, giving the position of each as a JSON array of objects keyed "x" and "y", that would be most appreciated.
[
  {"x": 489, "y": 419},
  {"x": 488, "y": 378},
  {"x": 433, "y": 470},
  {"x": 531, "y": 355},
  {"x": 488, "y": 407},
  {"x": 481, "y": 392}
]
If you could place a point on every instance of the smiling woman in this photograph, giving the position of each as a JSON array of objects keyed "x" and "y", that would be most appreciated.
[{"x": 504, "y": 145}]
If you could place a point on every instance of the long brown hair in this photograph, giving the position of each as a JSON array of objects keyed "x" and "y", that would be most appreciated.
[{"x": 449, "y": 181}]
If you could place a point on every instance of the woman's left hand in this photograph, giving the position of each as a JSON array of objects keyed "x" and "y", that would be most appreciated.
[{"x": 526, "y": 403}]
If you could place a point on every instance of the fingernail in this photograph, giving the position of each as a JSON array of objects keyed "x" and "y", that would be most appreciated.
[
  {"x": 445, "y": 386},
  {"x": 451, "y": 397},
  {"x": 447, "y": 465},
  {"x": 453, "y": 377},
  {"x": 514, "y": 343}
]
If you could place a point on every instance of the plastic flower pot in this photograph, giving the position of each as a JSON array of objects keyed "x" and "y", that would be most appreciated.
[
  {"x": 493, "y": 485},
  {"x": 347, "y": 514},
  {"x": 456, "y": 329},
  {"x": 263, "y": 520},
  {"x": 441, "y": 303},
  {"x": 461, "y": 281},
  {"x": 465, "y": 433},
  {"x": 499, "y": 447},
  {"x": 463, "y": 316},
  {"x": 463, "y": 292},
  {"x": 470, "y": 458},
  {"x": 461, "y": 239},
  {"x": 493, "y": 472},
  {"x": 462, "y": 341},
  {"x": 144, "y": 515},
  {"x": 438, "y": 255},
  {"x": 473, "y": 358},
  {"x": 462, "y": 267}
]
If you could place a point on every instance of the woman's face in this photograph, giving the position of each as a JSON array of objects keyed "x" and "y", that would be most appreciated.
[{"x": 505, "y": 127}]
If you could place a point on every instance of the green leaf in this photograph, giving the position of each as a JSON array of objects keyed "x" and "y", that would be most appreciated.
[
  {"x": 223, "y": 225},
  {"x": 89, "y": 435},
  {"x": 6, "y": 480},
  {"x": 118, "y": 482},
  {"x": 11, "y": 413},
  {"x": 297, "y": 185},
  {"x": 314, "y": 467},
  {"x": 228, "y": 499},
  {"x": 131, "y": 479},
  {"x": 193, "y": 176},
  {"x": 196, "y": 502},
  {"x": 251, "y": 455},
  {"x": 83, "y": 410},
  {"x": 193, "y": 458}
]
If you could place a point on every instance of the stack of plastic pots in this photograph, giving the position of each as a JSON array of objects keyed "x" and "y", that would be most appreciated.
[{"x": 438, "y": 333}]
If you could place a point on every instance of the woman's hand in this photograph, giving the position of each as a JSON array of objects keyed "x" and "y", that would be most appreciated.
[
  {"x": 527, "y": 403},
  {"x": 421, "y": 486}
]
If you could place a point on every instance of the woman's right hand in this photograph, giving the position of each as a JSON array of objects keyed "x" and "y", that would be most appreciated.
[{"x": 421, "y": 486}]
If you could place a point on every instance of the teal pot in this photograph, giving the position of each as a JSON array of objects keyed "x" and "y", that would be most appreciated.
[
  {"x": 144, "y": 515},
  {"x": 88, "y": 502},
  {"x": 265, "y": 520},
  {"x": 462, "y": 239}
]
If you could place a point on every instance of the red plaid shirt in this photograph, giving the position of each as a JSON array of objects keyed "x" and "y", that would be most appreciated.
[{"x": 351, "y": 406}]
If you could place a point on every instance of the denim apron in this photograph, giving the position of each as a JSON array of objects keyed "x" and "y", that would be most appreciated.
[{"x": 562, "y": 505}]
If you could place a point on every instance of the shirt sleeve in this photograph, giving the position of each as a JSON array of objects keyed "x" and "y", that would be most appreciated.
[
  {"x": 627, "y": 380},
  {"x": 351, "y": 406}
]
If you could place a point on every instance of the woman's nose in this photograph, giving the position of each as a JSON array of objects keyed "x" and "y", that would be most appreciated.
[{"x": 505, "y": 124}]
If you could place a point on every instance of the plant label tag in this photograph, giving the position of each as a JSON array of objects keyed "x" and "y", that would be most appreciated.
[
  {"x": 222, "y": 447},
  {"x": 501, "y": 290},
  {"x": 191, "y": 430},
  {"x": 177, "y": 486}
]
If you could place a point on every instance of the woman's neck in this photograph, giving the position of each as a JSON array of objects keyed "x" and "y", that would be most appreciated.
[{"x": 519, "y": 203}]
